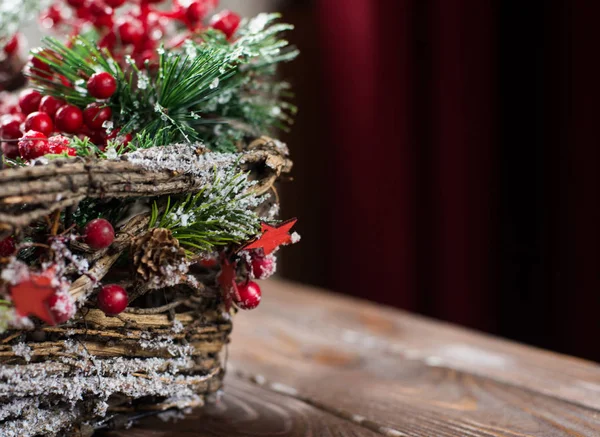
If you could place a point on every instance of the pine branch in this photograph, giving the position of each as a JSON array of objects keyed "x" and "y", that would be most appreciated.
[
  {"x": 218, "y": 215},
  {"x": 201, "y": 92}
]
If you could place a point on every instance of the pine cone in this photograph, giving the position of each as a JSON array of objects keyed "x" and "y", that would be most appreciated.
[{"x": 158, "y": 258}]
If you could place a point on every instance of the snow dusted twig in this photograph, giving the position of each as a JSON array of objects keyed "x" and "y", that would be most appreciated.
[{"x": 63, "y": 183}]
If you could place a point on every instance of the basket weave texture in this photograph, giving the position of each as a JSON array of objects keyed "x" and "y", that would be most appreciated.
[{"x": 165, "y": 352}]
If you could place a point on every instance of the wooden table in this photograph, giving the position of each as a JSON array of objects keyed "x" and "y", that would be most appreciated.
[{"x": 309, "y": 363}]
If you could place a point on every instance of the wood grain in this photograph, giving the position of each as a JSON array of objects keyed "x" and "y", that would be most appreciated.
[
  {"x": 250, "y": 411},
  {"x": 385, "y": 372}
]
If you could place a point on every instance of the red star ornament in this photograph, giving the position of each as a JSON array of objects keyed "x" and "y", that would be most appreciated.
[
  {"x": 30, "y": 295},
  {"x": 272, "y": 237},
  {"x": 227, "y": 282}
]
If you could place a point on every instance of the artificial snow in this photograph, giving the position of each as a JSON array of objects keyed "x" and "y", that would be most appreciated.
[
  {"x": 22, "y": 350},
  {"x": 191, "y": 159},
  {"x": 295, "y": 237}
]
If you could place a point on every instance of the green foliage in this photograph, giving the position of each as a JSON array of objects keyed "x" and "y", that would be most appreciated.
[
  {"x": 219, "y": 215},
  {"x": 74, "y": 65},
  {"x": 209, "y": 89},
  {"x": 85, "y": 147},
  {"x": 16, "y": 162}
]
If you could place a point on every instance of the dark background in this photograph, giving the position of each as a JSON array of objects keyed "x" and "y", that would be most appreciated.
[{"x": 446, "y": 161}]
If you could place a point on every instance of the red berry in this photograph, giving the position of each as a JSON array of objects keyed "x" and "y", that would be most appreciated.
[
  {"x": 98, "y": 137},
  {"x": 112, "y": 299},
  {"x": 53, "y": 15},
  {"x": 60, "y": 144},
  {"x": 95, "y": 114},
  {"x": 8, "y": 246},
  {"x": 39, "y": 68},
  {"x": 102, "y": 85},
  {"x": 50, "y": 105},
  {"x": 19, "y": 116},
  {"x": 263, "y": 266},
  {"x": 33, "y": 145},
  {"x": 248, "y": 295},
  {"x": 227, "y": 22},
  {"x": 39, "y": 121},
  {"x": 10, "y": 150},
  {"x": 83, "y": 13},
  {"x": 10, "y": 127},
  {"x": 196, "y": 11},
  {"x": 66, "y": 82},
  {"x": 120, "y": 138},
  {"x": 146, "y": 55},
  {"x": 114, "y": 3},
  {"x": 15, "y": 110},
  {"x": 62, "y": 307},
  {"x": 208, "y": 262},
  {"x": 101, "y": 14},
  {"x": 98, "y": 234},
  {"x": 108, "y": 41},
  {"x": 59, "y": 141},
  {"x": 13, "y": 45},
  {"x": 76, "y": 3},
  {"x": 68, "y": 118},
  {"x": 29, "y": 101},
  {"x": 131, "y": 31}
]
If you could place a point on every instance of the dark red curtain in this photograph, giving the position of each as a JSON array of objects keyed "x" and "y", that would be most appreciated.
[{"x": 457, "y": 156}]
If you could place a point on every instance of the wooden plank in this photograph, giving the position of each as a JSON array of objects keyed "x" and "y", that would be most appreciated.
[
  {"x": 395, "y": 374},
  {"x": 410, "y": 375},
  {"x": 316, "y": 318},
  {"x": 248, "y": 410}
]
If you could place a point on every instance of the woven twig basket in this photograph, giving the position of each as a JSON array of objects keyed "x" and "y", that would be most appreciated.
[{"x": 165, "y": 353}]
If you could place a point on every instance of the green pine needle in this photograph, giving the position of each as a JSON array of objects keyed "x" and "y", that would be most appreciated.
[{"x": 219, "y": 215}]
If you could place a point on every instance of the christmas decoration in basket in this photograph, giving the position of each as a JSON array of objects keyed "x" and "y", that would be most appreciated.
[{"x": 137, "y": 205}]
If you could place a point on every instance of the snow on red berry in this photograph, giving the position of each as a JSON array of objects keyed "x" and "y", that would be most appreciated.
[
  {"x": 62, "y": 306},
  {"x": 262, "y": 266},
  {"x": 58, "y": 144},
  {"x": 33, "y": 145}
]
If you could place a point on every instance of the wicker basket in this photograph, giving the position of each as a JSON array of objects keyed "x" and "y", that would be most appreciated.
[{"x": 165, "y": 353}]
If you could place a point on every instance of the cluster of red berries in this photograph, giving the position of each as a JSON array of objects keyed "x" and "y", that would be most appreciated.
[
  {"x": 140, "y": 25},
  {"x": 36, "y": 117},
  {"x": 99, "y": 234},
  {"x": 112, "y": 299},
  {"x": 249, "y": 293}
]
